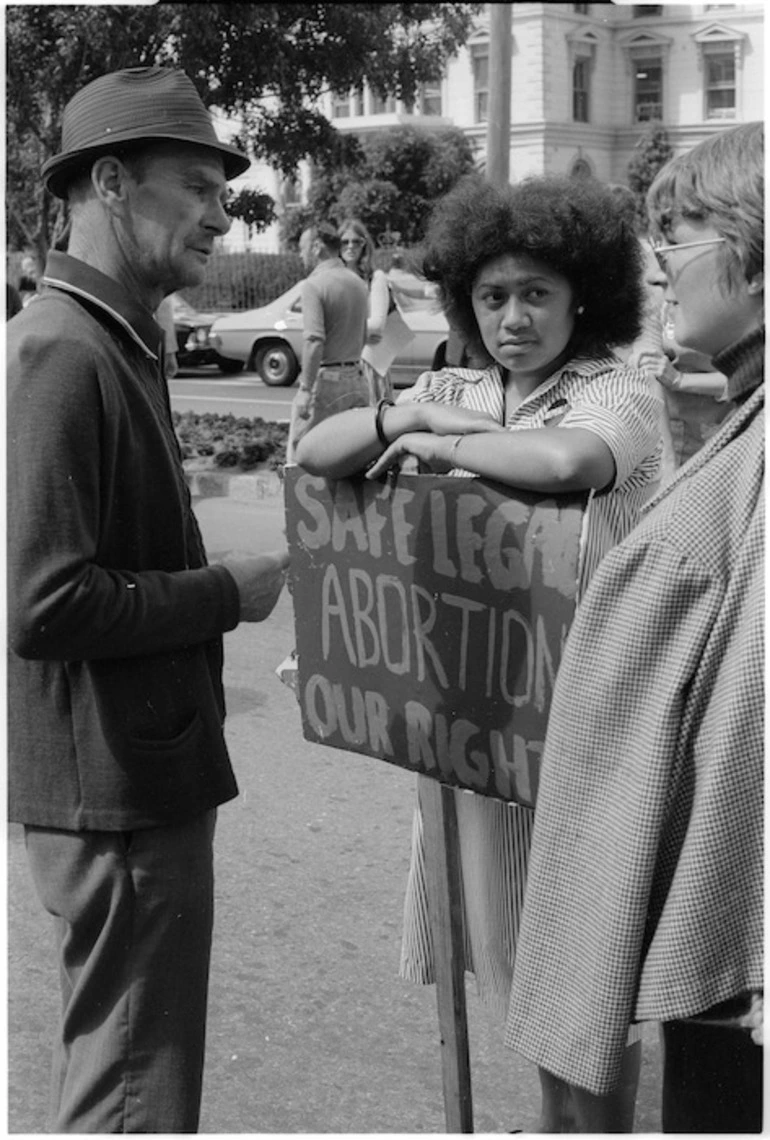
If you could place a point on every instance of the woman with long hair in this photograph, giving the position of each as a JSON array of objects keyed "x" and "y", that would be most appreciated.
[{"x": 357, "y": 251}]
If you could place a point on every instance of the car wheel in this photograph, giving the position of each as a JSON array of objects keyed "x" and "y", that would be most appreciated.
[
  {"x": 275, "y": 364},
  {"x": 227, "y": 365}
]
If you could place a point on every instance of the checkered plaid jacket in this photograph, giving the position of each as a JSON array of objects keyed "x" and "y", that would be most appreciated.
[{"x": 645, "y": 894}]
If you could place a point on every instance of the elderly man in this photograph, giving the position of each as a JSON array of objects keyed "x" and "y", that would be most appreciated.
[
  {"x": 335, "y": 304},
  {"x": 117, "y": 755}
]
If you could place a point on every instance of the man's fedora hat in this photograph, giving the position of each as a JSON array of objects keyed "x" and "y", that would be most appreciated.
[{"x": 133, "y": 106}]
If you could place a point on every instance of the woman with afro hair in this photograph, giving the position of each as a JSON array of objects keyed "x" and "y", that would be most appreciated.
[{"x": 542, "y": 280}]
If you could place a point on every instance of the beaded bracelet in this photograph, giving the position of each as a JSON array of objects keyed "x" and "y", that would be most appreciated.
[{"x": 384, "y": 403}]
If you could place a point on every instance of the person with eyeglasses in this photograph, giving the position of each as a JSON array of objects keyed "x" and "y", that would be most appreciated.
[
  {"x": 645, "y": 889},
  {"x": 357, "y": 252},
  {"x": 692, "y": 395}
]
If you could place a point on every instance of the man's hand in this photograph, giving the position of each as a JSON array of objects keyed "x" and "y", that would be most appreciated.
[{"x": 259, "y": 581}]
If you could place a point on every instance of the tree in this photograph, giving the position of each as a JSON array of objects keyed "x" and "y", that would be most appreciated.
[
  {"x": 653, "y": 150},
  {"x": 265, "y": 65},
  {"x": 391, "y": 179}
]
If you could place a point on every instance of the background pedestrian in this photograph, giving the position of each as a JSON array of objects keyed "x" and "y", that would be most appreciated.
[{"x": 335, "y": 304}]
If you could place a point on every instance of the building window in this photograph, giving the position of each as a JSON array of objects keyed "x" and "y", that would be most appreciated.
[
  {"x": 648, "y": 89},
  {"x": 340, "y": 106},
  {"x": 291, "y": 192},
  {"x": 581, "y": 9},
  {"x": 642, "y": 10},
  {"x": 580, "y": 90},
  {"x": 481, "y": 85},
  {"x": 581, "y": 169},
  {"x": 720, "y": 84},
  {"x": 358, "y": 101},
  {"x": 429, "y": 99},
  {"x": 383, "y": 106}
]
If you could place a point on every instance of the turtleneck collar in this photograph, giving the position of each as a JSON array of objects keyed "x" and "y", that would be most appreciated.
[{"x": 743, "y": 364}]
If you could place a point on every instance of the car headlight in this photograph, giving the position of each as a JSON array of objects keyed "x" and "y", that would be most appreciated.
[{"x": 214, "y": 340}]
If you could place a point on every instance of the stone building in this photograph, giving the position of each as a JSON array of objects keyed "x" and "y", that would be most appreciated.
[{"x": 587, "y": 80}]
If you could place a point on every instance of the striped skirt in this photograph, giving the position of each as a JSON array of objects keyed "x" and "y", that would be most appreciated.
[{"x": 494, "y": 840}]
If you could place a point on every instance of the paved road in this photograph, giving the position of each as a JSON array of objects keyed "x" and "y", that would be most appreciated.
[
  {"x": 310, "y": 1029},
  {"x": 207, "y": 390}
]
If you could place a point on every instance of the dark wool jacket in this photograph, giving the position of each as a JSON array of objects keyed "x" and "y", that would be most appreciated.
[{"x": 116, "y": 702}]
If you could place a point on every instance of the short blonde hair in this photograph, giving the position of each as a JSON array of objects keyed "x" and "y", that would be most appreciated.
[{"x": 721, "y": 181}]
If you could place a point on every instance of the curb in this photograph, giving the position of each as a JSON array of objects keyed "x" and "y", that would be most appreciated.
[{"x": 243, "y": 488}]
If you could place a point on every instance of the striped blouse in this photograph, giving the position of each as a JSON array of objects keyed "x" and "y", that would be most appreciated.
[
  {"x": 617, "y": 404},
  {"x": 602, "y": 396}
]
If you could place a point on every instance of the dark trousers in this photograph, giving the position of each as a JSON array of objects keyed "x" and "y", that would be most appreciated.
[
  {"x": 134, "y": 914},
  {"x": 712, "y": 1079}
]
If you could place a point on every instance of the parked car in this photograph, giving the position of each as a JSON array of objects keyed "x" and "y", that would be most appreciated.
[
  {"x": 269, "y": 340},
  {"x": 192, "y": 338}
]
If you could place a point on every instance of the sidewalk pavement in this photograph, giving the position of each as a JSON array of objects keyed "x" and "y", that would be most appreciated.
[{"x": 244, "y": 487}]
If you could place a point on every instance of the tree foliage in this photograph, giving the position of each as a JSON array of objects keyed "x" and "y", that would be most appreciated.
[
  {"x": 391, "y": 179},
  {"x": 653, "y": 151},
  {"x": 266, "y": 65}
]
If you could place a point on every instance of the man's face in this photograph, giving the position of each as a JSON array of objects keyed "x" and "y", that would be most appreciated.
[{"x": 176, "y": 200}]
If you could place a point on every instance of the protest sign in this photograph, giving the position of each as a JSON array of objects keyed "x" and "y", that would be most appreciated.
[{"x": 431, "y": 613}]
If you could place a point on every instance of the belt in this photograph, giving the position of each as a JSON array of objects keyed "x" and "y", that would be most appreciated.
[{"x": 339, "y": 363}]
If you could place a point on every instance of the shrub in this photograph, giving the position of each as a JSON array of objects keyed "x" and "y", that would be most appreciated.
[
  {"x": 653, "y": 151},
  {"x": 255, "y": 452},
  {"x": 230, "y": 441},
  {"x": 227, "y": 457}
]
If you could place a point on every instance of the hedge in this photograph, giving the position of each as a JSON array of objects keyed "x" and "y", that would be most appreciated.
[
  {"x": 247, "y": 280},
  {"x": 237, "y": 281},
  {"x": 231, "y": 441}
]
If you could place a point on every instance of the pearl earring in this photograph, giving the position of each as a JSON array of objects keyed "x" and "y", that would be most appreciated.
[{"x": 580, "y": 310}]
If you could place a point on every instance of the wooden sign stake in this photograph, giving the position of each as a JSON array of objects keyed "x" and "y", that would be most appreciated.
[{"x": 442, "y": 872}]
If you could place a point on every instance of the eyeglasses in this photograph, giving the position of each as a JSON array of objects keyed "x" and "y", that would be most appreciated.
[
  {"x": 661, "y": 251},
  {"x": 352, "y": 241}
]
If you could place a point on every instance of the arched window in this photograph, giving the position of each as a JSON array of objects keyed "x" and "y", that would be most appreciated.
[{"x": 581, "y": 169}]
